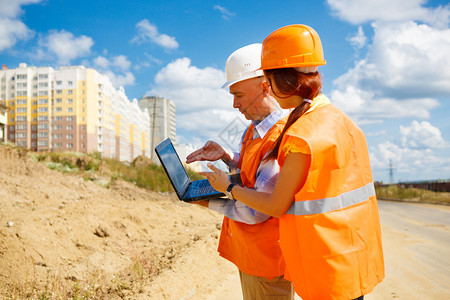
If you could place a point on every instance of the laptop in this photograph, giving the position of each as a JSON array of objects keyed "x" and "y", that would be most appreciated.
[{"x": 186, "y": 189}]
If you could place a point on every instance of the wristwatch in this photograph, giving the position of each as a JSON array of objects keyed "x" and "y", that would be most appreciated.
[{"x": 228, "y": 191}]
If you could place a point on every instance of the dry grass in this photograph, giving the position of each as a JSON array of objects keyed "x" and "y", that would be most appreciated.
[{"x": 413, "y": 194}]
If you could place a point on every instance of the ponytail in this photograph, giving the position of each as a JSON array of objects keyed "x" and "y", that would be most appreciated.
[{"x": 293, "y": 83}]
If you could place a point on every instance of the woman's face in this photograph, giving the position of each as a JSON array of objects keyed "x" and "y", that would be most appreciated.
[{"x": 284, "y": 101}]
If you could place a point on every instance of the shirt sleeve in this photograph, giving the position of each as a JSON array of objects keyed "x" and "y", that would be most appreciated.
[
  {"x": 295, "y": 145},
  {"x": 267, "y": 175}
]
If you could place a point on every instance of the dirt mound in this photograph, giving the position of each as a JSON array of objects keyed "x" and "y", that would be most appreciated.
[
  {"x": 141, "y": 161},
  {"x": 63, "y": 236}
]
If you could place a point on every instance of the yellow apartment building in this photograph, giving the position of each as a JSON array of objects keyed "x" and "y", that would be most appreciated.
[{"x": 72, "y": 109}]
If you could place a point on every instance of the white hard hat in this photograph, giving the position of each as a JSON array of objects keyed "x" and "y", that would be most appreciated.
[{"x": 243, "y": 64}]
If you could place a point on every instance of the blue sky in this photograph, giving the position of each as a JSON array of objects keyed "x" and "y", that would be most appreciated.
[{"x": 387, "y": 62}]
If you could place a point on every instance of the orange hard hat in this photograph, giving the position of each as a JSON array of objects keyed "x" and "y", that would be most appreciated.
[{"x": 290, "y": 47}]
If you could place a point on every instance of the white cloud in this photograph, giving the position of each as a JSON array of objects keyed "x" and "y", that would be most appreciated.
[
  {"x": 408, "y": 164},
  {"x": 422, "y": 135},
  {"x": 117, "y": 69},
  {"x": 204, "y": 110},
  {"x": 365, "y": 107},
  {"x": 361, "y": 11},
  {"x": 190, "y": 87},
  {"x": 12, "y": 8},
  {"x": 404, "y": 71},
  {"x": 12, "y": 29},
  {"x": 65, "y": 46},
  {"x": 148, "y": 31},
  {"x": 359, "y": 40},
  {"x": 225, "y": 12}
]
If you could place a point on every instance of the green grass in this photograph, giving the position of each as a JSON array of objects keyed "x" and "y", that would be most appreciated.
[
  {"x": 91, "y": 166},
  {"x": 400, "y": 193}
]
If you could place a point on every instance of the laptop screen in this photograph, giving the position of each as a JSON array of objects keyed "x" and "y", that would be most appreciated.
[{"x": 174, "y": 168}]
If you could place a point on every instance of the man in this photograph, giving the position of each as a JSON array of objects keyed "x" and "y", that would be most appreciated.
[{"x": 250, "y": 239}]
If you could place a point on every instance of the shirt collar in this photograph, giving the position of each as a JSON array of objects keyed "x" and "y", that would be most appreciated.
[{"x": 262, "y": 127}]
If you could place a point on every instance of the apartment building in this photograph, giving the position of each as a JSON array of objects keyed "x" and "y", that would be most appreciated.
[
  {"x": 162, "y": 120},
  {"x": 72, "y": 109}
]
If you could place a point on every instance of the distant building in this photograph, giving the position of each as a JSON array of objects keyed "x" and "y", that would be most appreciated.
[
  {"x": 162, "y": 120},
  {"x": 3, "y": 121},
  {"x": 72, "y": 109},
  {"x": 183, "y": 151}
]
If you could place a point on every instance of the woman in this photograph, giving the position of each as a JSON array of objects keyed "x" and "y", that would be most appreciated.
[{"x": 324, "y": 196}]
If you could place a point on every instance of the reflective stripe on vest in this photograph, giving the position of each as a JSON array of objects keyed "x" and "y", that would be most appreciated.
[{"x": 311, "y": 207}]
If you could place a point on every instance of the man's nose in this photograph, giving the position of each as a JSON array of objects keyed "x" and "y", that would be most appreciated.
[{"x": 236, "y": 103}]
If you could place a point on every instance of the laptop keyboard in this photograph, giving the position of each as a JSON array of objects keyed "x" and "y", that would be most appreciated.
[{"x": 202, "y": 187}]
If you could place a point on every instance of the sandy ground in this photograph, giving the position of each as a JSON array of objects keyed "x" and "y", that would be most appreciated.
[{"x": 62, "y": 236}]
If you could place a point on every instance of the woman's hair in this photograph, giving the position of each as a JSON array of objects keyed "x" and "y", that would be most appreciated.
[{"x": 290, "y": 82}]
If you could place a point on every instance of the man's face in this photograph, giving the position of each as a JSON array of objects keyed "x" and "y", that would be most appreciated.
[{"x": 248, "y": 98}]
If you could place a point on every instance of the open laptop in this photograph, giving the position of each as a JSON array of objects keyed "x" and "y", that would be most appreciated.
[{"x": 186, "y": 189}]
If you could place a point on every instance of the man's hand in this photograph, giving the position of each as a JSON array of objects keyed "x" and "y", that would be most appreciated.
[{"x": 210, "y": 152}]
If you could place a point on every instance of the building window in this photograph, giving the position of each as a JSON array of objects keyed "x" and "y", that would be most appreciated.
[
  {"x": 58, "y": 118},
  {"x": 21, "y": 101},
  {"x": 22, "y": 76},
  {"x": 21, "y": 110},
  {"x": 69, "y": 100},
  {"x": 43, "y": 109},
  {"x": 70, "y": 82},
  {"x": 69, "y": 127},
  {"x": 42, "y": 143},
  {"x": 58, "y": 136},
  {"x": 43, "y": 101},
  {"x": 21, "y": 93},
  {"x": 21, "y": 84},
  {"x": 21, "y": 118},
  {"x": 69, "y": 118},
  {"x": 43, "y": 126},
  {"x": 34, "y": 102},
  {"x": 43, "y": 84},
  {"x": 33, "y": 127},
  {"x": 43, "y": 93},
  {"x": 21, "y": 135},
  {"x": 58, "y": 82},
  {"x": 12, "y": 136},
  {"x": 69, "y": 136},
  {"x": 43, "y": 134},
  {"x": 21, "y": 126},
  {"x": 69, "y": 109},
  {"x": 43, "y": 118},
  {"x": 69, "y": 145},
  {"x": 58, "y": 100},
  {"x": 58, "y": 109},
  {"x": 58, "y": 145},
  {"x": 34, "y": 119},
  {"x": 43, "y": 76},
  {"x": 69, "y": 92},
  {"x": 58, "y": 127}
]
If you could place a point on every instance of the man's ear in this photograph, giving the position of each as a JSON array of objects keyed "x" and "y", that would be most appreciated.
[{"x": 265, "y": 87}]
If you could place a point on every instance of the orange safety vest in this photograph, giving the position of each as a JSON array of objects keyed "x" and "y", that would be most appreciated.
[
  {"x": 254, "y": 249},
  {"x": 331, "y": 236}
]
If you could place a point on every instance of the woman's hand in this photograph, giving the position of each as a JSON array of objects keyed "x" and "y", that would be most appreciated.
[{"x": 217, "y": 178}]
